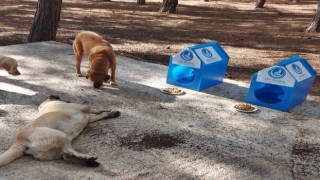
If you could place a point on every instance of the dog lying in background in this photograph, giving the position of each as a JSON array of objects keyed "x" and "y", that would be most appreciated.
[
  {"x": 49, "y": 136},
  {"x": 10, "y": 65},
  {"x": 101, "y": 58}
]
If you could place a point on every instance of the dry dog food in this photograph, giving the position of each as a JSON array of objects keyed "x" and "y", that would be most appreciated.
[
  {"x": 244, "y": 107},
  {"x": 172, "y": 90}
]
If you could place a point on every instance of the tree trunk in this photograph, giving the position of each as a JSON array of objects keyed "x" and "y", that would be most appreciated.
[
  {"x": 169, "y": 6},
  {"x": 315, "y": 22},
  {"x": 296, "y": 1},
  {"x": 259, "y": 4},
  {"x": 45, "y": 23},
  {"x": 141, "y": 1}
]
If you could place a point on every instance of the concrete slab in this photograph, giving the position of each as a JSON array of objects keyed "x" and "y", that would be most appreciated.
[{"x": 201, "y": 136}]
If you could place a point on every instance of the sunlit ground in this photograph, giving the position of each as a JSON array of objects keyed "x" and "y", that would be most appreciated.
[{"x": 16, "y": 89}]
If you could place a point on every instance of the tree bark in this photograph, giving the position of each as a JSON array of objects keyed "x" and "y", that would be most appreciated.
[
  {"x": 141, "y": 1},
  {"x": 315, "y": 22},
  {"x": 169, "y": 6},
  {"x": 259, "y": 4},
  {"x": 45, "y": 23}
]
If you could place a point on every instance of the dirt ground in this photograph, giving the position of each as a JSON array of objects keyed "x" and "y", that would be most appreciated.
[
  {"x": 193, "y": 136},
  {"x": 254, "y": 39}
]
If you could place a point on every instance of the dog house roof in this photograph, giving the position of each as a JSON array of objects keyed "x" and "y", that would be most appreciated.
[
  {"x": 287, "y": 72},
  {"x": 194, "y": 56}
]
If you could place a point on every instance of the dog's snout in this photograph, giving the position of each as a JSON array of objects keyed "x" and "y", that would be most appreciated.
[
  {"x": 97, "y": 85},
  {"x": 15, "y": 73}
]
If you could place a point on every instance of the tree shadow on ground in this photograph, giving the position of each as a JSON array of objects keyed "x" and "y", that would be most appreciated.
[
  {"x": 228, "y": 90},
  {"x": 139, "y": 31}
]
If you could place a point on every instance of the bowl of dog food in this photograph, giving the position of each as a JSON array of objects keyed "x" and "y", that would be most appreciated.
[
  {"x": 244, "y": 107},
  {"x": 172, "y": 91}
]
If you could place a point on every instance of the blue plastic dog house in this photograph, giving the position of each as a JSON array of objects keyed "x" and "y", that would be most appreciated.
[
  {"x": 198, "y": 67},
  {"x": 282, "y": 86}
]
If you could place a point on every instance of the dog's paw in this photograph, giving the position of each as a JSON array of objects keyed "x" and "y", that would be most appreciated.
[
  {"x": 112, "y": 83},
  {"x": 115, "y": 114},
  {"x": 92, "y": 163},
  {"x": 93, "y": 158},
  {"x": 79, "y": 75},
  {"x": 68, "y": 156}
]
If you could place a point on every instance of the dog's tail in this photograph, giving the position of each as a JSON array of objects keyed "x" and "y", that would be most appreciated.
[{"x": 15, "y": 151}]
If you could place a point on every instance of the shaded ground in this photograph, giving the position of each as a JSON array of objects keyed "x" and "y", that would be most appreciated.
[{"x": 254, "y": 39}]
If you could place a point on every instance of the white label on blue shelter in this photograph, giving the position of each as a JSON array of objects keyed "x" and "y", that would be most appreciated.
[
  {"x": 208, "y": 55},
  {"x": 298, "y": 71},
  {"x": 186, "y": 58},
  {"x": 276, "y": 75}
]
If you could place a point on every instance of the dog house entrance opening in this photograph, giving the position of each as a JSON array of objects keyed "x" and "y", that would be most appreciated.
[
  {"x": 269, "y": 93},
  {"x": 184, "y": 75}
]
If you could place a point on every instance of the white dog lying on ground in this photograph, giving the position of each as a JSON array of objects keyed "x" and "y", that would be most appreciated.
[{"x": 50, "y": 135}]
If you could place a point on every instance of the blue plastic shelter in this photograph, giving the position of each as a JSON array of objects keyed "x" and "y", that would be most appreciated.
[
  {"x": 282, "y": 86},
  {"x": 198, "y": 67}
]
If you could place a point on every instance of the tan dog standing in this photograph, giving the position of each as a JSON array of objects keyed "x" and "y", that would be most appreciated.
[
  {"x": 10, "y": 65},
  {"x": 101, "y": 57},
  {"x": 50, "y": 135}
]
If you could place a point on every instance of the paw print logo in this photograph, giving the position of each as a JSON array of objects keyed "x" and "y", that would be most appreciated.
[
  {"x": 296, "y": 69},
  {"x": 277, "y": 72},
  {"x": 187, "y": 55},
  {"x": 206, "y": 53}
]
